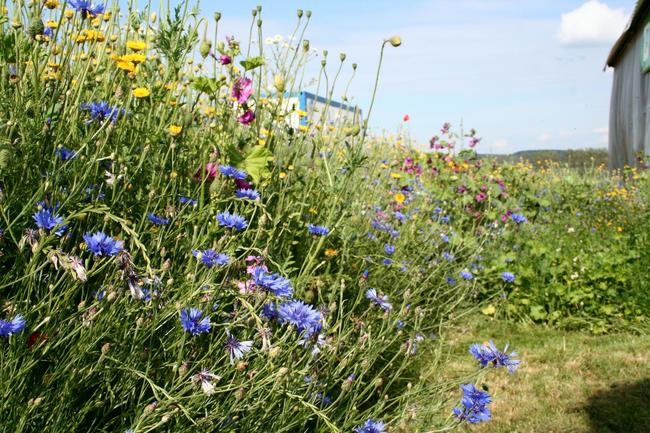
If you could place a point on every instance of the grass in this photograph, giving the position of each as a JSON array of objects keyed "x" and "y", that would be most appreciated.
[{"x": 568, "y": 381}]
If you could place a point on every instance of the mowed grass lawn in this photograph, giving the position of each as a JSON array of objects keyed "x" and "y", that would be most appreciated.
[{"x": 568, "y": 381}]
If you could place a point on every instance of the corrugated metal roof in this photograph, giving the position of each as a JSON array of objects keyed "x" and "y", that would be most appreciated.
[{"x": 638, "y": 17}]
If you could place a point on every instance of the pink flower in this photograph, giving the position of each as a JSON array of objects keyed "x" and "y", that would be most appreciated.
[
  {"x": 473, "y": 141},
  {"x": 247, "y": 117},
  {"x": 242, "y": 90},
  {"x": 480, "y": 197},
  {"x": 225, "y": 60},
  {"x": 445, "y": 128},
  {"x": 210, "y": 172},
  {"x": 407, "y": 118}
]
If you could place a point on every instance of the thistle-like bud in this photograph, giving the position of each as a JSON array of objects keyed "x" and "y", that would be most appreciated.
[
  {"x": 325, "y": 53},
  {"x": 299, "y": 13},
  {"x": 36, "y": 28},
  {"x": 308, "y": 14},
  {"x": 217, "y": 16},
  {"x": 354, "y": 66},
  {"x": 205, "y": 48},
  {"x": 259, "y": 23},
  {"x": 259, "y": 8},
  {"x": 395, "y": 41},
  {"x": 254, "y": 12},
  {"x": 305, "y": 45},
  {"x": 323, "y": 63},
  {"x": 342, "y": 56}
]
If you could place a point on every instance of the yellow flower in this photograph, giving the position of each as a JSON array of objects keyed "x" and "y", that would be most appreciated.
[
  {"x": 396, "y": 175},
  {"x": 330, "y": 252},
  {"x": 303, "y": 128},
  {"x": 283, "y": 175},
  {"x": 134, "y": 58},
  {"x": 141, "y": 92},
  {"x": 52, "y": 24},
  {"x": 136, "y": 45},
  {"x": 301, "y": 113},
  {"x": 125, "y": 66},
  {"x": 52, "y": 4},
  {"x": 261, "y": 142},
  {"x": 175, "y": 130},
  {"x": 399, "y": 197}
]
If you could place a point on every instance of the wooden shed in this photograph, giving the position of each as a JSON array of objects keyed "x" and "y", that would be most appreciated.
[{"x": 629, "y": 118}]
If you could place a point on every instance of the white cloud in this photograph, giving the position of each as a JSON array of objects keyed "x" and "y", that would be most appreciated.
[
  {"x": 544, "y": 137},
  {"x": 592, "y": 23},
  {"x": 500, "y": 143}
]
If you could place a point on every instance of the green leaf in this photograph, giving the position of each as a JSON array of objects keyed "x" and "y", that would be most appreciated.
[
  {"x": 538, "y": 312},
  {"x": 252, "y": 62},
  {"x": 206, "y": 85},
  {"x": 256, "y": 163}
]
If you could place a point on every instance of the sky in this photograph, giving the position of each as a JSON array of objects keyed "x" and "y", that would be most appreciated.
[{"x": 526, "y": 74}]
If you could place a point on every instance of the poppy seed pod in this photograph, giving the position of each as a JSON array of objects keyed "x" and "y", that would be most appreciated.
[
  {"x": 254, "y": 12},
  {"x": 342, "y": 57},
  {"x": 259, "y": 8},
  {"x": 217, "y": 16},
  {"x": 299, "y": 13},
  {"x": 305, "y": 45},
  {"x": 395, "y": 41},
  {"x": 259, "y": 23},
  {"x": 354, "y": 66},
  {"x": 308, "y": 14}
]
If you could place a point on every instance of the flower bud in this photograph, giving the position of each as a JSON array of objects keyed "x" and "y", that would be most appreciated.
[
  {"x": 278, "y": 83},
  {"x": 205, "y": 48},
  {"x": 395, "y": 41},
  {"x": 305, "y": 45},
  {"x": 308, "y": 14},
  {"x": 342, "y": 56},
  {"x": 259, "y": 23},
  {"x": 217, "y": 16},
  {"x": 354, "y": 66},
  {"x": 299, "y": 13}
]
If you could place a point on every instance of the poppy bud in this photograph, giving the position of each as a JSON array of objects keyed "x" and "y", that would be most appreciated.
[
  {"x": 217, "y": 16},
  {"x": 395, "y": 41},
  {"x": 205, "y": 48},
  {"x": 279, "y": 83},
  {"x": 308, "y": 14},
  {"x": 36, "y": 28},
  {"x": 342, "y": 57},
  {"x": 305, "y": 45},
  {"x": 259, "y": 23},
  {"x": 299, "y": 13}
]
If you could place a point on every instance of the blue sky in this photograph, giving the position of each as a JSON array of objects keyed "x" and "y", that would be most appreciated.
[{"x": 527, "y": 74}]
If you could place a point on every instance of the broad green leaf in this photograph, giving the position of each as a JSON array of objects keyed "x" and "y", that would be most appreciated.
[
  {"x": 252, "y": 62},
  {"x": 256, "y": 163}
]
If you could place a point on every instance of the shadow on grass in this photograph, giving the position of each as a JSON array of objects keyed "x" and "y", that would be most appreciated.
[{"x": 624, "y": 408}]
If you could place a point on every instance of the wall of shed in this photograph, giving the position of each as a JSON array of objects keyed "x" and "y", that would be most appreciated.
[{"x": 629, "y": 120}]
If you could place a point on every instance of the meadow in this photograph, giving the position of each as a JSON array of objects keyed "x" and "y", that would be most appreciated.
[{"x": 178, "y": 253}]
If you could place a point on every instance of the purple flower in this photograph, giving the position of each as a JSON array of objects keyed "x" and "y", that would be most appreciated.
[
  {"x": 100, "y": 244},
  {"x": 371, "y": 426},
  {"x": 186, "y": 200},
  {"x": 225, "y": 59},
  {"x": 318, "y": 230},
  {"x": 211, "y": 258},
  {"x": 231, "y": 221},
  {"x": 193, "y": 321},
  {"x": 250, "y": 194},
  {"x": 157, "y": 220},
  {"x": 466, "y": 275},
  {"x": 86, "y": 8},
  {"x": 46, "y": 219},
  {"x": 381, "y": 301},
  {"x": 303, "y": 316},
  {"x": 101, "y": 111},
  {"x": 487, "y": 354},
  {"x": 230, "y": 171},
  {"x": 389, "y": 249},
  {"x": 474, "y": 403},
  {"x": 508, "y": 277},
  {"x": 247, "y": 118},
  {"x": 518, "y": 218},
  {"x": 12, "y": 327},
  {"x": 274, "y": 283},
  {"x": 235, "y": 348},
  {"x": 242, "y": 89},
  {"x": 65, "y": 154}
]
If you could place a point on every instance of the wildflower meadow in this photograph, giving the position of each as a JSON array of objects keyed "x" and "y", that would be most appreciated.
[{"x": 183, "y": 249}]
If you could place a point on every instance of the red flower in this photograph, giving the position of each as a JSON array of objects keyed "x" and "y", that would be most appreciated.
[{"x": 407, "y": 118}]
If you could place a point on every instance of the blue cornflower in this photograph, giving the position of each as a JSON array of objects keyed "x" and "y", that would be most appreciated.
[
  {"x": 230, "y": 171},
  {"x": 381, "y": 301},
  {"x": 447, "y": 256},
  {"x": 211, "y": 258},
  {"x": 488, "y": 353},
  {"x": 248, "y": 193},
  {"x": 12, "y": 327},
  {"x": 390, "y": 249},
  {"x": 235, "y": 348},
  {"x": 46, "y": 219},
  {"x": 270, "y": 311},
  {"x": 387, "y": 262},
  {"x": 445, "y": 219},
  {"x": 274, "y": 283},
  {"x": 508, "y": 277},
  {"x": 451, "y": 281},
  {"x": 466, "y": 275},
  {"x": 86, "y": 8},
  {"x": 100, "y": 244},
  {"x": 303, "y": 316},
  {"x": 65, "y": 154},
  {"x": 101, "y": 111},
  {"x": 232, "y": 221},
  {"x": 371, "y": 426},
  {"x": 474, "y": 403},
  {"x": 157, "y": 220},
  {"x": 318, "y": 230},
  {"x": 518, "y": 218},
  {"x": 193, "y": 321},
  {"x": 400, "y": 325},
  {"x": 400, "y": 216},
  {"x": 186, "y": 200},
  {"x": 444, "y": 238}
]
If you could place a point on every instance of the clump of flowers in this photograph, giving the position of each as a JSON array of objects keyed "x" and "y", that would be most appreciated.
[
  {"x": 318, "y": 230},
  {"x": 488, "y": 354},
  {"x": 473, "y": 408}
]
